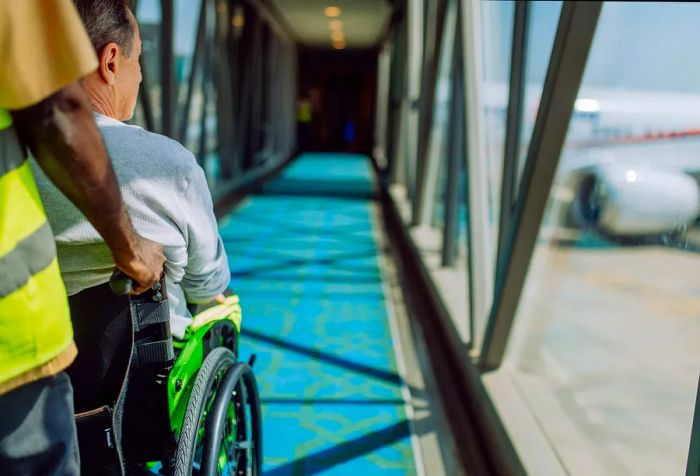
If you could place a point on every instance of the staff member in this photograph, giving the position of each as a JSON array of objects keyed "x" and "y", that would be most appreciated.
[{"x": 44, "y": 50}]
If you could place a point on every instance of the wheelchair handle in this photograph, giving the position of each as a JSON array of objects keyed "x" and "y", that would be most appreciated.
[{"x": 120, "y": 283}]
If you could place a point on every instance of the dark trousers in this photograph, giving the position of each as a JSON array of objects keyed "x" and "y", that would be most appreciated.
[{"x": 37, "y": 429}]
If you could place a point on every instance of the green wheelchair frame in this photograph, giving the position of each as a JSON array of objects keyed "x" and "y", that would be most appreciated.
[
  {"x": 231, "y": 435},
  {"x": 148, "y": 404}
]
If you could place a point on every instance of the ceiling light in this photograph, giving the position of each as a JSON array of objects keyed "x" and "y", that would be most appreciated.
[
  {"x": 332, "y": 11},
  {"x": 335, "y": 24},
  {"x": 238, "y": 21}
]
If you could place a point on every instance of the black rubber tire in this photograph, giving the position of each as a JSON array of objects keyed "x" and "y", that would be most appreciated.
[
  {"x": 253, "y": 398},
  {"x": 218, "y": 359},
  {"x": 239, "y": 388}
]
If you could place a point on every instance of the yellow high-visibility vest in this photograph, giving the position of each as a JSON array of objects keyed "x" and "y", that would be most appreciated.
[{"x": 35, "y": 322}]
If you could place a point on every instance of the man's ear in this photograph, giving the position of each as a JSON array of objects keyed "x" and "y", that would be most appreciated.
[{"x": 109, "y": 63}]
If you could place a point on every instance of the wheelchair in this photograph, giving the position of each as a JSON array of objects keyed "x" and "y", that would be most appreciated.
[{"x": 148, "y": 404}]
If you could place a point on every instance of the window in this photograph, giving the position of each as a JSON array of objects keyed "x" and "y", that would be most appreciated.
[
  {"x": 605, "y": 345},
  {"x": 542, "y": 19},
  {"x": 148, "y": 13},
  {"x": 497, "y": 37}
]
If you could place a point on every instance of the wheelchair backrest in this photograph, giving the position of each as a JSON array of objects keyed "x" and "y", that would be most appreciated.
[{"x": 125, "y": 351}]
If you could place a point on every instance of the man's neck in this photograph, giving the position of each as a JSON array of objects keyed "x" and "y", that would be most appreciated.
[{"x": 101, "y": 100}]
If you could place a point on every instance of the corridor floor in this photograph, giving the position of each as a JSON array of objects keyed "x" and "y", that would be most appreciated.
[{"x": 306, "y": 262}]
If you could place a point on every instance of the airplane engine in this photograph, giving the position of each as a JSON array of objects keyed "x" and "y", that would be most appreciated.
[{"x": 619, "y": 200}]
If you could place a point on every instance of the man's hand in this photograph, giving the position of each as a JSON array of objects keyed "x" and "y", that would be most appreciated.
[
  {"x": 219, "y": 299},
  {"x": 142, "y": 262}
]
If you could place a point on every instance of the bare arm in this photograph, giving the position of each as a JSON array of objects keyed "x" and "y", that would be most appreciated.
[{"x": 63, "y": 137}]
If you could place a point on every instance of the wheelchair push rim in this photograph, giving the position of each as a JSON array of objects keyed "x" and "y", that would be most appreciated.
[{"x": 221, "y": 433}]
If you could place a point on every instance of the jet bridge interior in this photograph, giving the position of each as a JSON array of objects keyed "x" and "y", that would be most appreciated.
[{"x": 464, "y": 234}]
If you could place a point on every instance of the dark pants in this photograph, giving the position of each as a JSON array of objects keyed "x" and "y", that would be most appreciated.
[{"x": 37, "y": 429}]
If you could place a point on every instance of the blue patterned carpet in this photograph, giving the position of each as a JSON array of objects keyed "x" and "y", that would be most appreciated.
[{"x": 304, "y": 261}]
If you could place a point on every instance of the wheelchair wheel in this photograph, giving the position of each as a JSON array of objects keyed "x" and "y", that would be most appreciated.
[{"x": 221, "y": 431}]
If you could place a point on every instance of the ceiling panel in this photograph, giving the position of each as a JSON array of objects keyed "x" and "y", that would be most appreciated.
[{"x": 363, "y": 21}]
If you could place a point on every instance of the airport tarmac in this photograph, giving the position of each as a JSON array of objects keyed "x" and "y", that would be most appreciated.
[
  {"x": 605, "y": 350},
  {"x": 604, "y": 355}
]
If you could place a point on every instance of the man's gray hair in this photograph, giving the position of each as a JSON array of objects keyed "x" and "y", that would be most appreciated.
[{"x": 107, "y": 21}]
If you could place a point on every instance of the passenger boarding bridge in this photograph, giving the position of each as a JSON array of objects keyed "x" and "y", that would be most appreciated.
[{"x": 464, "y": 234}]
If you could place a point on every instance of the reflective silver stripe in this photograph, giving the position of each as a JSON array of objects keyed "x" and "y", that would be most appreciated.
[
  {"x": 31, "y": 255},
  {"x": 11, "y": 153}
]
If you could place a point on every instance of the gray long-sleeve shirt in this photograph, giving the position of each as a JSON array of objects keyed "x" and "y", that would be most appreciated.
[{"x": 167, "y": 197}]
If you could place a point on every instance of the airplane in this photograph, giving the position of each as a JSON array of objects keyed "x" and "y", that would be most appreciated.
[{"x": 630, "y": 168}]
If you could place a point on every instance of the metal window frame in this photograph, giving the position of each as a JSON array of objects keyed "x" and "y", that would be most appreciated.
[
  {"x": 202, "y": 149},
  {"x": 514, "y": 120},
  {"x": 480, "y": 253},
  {"x": 397, "y": 92},
  {"x": 411, "y": 107},
  {"x": 246, "y": 87},
  {"x": 222, "y": 80},
  {"x": 145, "y": 98},
  {"x": 432, "y": 60},
  {"x": 693, "y": 467},
  {"x": 430, "y": 147},
  {"x": 167, "y": 67},
  {"x": 456, "y": 155},
  {"x": 382, "y": 103},
  {"x": 196, "y": 59},
  {"x": 225, "y": 70},
  {"x": 572, "y": 43}
]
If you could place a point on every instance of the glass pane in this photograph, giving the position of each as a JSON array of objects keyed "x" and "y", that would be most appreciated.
[
  {"x": 148, "y": 14},
  {"x": 497, "y": 37},
  {"x": 210, "y": 157},
  {"x": 543, "y": 18},
  {"x": 606, "y": 343},
  {"x": 184, "y": 42},
  {"x": 441, "y": 116}
]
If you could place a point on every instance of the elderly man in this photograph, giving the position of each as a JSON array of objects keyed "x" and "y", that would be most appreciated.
[{"x": 164, "y": 189}]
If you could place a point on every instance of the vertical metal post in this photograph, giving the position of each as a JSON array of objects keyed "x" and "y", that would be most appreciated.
[
  {"x": 572, "y": 44},
  {"x": 693, "y": 467},
  {"x": 196, "y": 58},
  {"x": 167, "y": 68},
  {"x": 434, "y": 18},
  {"x": 235, "y": 52},
  {"x": 429, "y": 174},
  {"x": 514, "y": 119},
  {"x": 382, "y": 104},
  {"x": 246, "y": 122},
  {"x": 273, "y": 99},
  {"x": 224, "y": 97},
  {"x": 245, "y": 88},
  {"x": 258, "y": 84},
  {"x": 206, "y": 84},
  {"x": 145, "y": 96},
  {"x": 412, "y": 105},
  {"x": 397, "y": 93},
  {"x": 455, "y": 157},
  {"x": 480, "y": 252}
]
